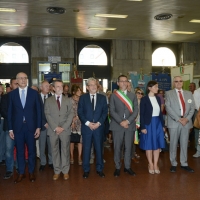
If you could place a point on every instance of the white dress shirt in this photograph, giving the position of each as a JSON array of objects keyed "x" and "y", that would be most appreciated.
[
  {"x": 60, "y": 99},
  {"x": 42, "y": 95},
  {"x": 25, "y": 92},
  {"x": 180, "y": 100},
  {"x": 196, "y": 96}
]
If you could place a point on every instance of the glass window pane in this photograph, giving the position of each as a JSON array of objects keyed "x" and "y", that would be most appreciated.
[
  {"x": 13, "y": 53},
  {"x": 92, "y": 55}
]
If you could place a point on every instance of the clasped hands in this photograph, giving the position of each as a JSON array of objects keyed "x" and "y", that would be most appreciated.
[
  {"x": 124, "y": 123},
  {"x": 183, "y": 121},
  {"x": 59, "y": 130},
  {"x": 93, "y": 126}
]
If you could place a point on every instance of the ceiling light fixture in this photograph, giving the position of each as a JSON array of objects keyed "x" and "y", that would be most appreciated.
[
  {"x": 56, "y": 10},
  {"x": 111, "y": 15},
  {"x": 195, "y": 21},
  {"x": 7, "y": 10},
  {"x": 182, "y": 32},
  {"x": 10, "y": 25},
  {"x": 99, "y": 28},
  {"x": 163, "y": 16}
]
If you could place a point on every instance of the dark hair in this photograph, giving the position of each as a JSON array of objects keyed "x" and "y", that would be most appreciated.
[
  {"x": 57, "y": 80},
  {"x": 121, "y": 76},
  {"x": 75, "y": 88},
  {"x": 12, "y": 79},
  {"x": 150, "y": 84}
]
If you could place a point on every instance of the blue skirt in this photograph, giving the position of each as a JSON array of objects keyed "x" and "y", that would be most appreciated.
[{"x": 154, "y": 139}]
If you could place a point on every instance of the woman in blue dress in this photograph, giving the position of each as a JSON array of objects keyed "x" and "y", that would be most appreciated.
[{"x": 152, "y": 126}]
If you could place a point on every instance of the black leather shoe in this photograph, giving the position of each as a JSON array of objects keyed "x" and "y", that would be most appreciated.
[
  {"x": 51, "y": 166},
  {"x": 86, "y": 174},
  {"x": 130, "y": 171},
  {"x": 187, "y": 168},
  {"x": 117, "y": 172},
  {"x": 101, "y": 174},
  {"x": 41, "y": 167},
  {"x": 8, "y": 175},
  {"x": 173, "y": 169}
]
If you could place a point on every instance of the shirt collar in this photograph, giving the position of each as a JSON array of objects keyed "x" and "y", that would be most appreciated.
[
  {"x": 179, "y": 90},
  {"x": 20, "y": 89},
  {"x": 57, "y": 96}
]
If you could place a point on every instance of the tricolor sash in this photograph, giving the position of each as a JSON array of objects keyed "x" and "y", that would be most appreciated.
[{"x": 124, "y": 98}]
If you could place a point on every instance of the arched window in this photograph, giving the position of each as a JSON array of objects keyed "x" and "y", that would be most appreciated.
[
  {"x": 92, "y": 55},
  {"x": 163, "y": 57},
  {"x": 12, "y": 52}
]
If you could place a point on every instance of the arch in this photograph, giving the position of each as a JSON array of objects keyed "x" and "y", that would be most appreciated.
[
  {"x": 92, "y": 55},
  {"x": 163, "y": 56},
  {"x": 12, "y": 52}
]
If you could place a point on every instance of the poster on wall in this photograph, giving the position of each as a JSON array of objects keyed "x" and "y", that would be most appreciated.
[
  {"x": 186, "y": 72},
  {"x": 50, "y": 77},
  {"x": 140, "y": 81},
  {"x": 164, "y": 80}
]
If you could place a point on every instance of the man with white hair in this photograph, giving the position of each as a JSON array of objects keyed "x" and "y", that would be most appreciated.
[{"x": 92, "y": 112}]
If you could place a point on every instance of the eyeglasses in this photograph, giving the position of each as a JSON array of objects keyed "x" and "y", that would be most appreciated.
[
  {"x": 140, "y": 93},
  {"x": 178, "y": 81},
  {"x": 123, "y": 81},
  {"x": 22, "y": 78}
]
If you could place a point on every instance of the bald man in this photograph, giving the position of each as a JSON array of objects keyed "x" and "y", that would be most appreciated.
[{"x": 24, "y": 123}]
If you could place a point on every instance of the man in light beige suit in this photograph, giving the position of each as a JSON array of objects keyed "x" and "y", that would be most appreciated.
[{"x": 59, "y": 115}]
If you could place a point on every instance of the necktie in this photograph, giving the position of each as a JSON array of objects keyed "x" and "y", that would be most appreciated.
[
  {"x": 58, "y": 102},
  {"x": 44, "y": 98},
  {"x": 182, "y": 101},
  {"x": 23, "y": 98},
  {"x": 92, "y": 102}
]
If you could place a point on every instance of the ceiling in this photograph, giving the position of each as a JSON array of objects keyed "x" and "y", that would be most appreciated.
[{"x": 139, "y": 25}]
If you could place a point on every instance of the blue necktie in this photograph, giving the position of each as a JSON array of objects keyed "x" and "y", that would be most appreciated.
[{"x": 23, "y": 98}]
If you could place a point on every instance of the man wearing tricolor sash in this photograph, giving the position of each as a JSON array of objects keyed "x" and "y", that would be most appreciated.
[{"x": 123, "y": 111}]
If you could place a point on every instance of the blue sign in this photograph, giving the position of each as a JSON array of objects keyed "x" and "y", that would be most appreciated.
[
  {"x": 164, "y": 81},
  {"x": 50, "y": 77}
]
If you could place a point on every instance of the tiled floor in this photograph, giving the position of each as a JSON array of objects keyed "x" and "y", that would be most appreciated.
[{"x": 166, "y": 186}]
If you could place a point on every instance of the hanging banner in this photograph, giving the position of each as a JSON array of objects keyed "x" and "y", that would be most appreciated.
[
  {"x": 164, "y": 80},
  {"x": 186, "y": 72},
  {"x": 140, "y": 81}
]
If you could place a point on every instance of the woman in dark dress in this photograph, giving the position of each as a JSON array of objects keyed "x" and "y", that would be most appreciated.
[{"x": 152, "y": 127}]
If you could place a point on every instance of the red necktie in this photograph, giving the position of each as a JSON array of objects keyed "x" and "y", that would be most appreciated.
[
  {"x": 182, "y": 101},
  {"x": 58, "y": 102}
]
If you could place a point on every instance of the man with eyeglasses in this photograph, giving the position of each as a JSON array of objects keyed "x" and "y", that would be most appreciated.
[
  {"x": 180, "y": 109},
  {"x": 24, "y": 123},
  {"x": 123, "y": 112}
]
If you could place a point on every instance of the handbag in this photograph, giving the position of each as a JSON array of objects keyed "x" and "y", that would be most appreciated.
[
  {"x": 197, "y": 120},
  {"x": 75, "y": 138}
]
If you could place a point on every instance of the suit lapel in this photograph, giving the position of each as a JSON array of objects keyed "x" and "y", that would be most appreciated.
[
  {"x": 176, "y": 98},
  {"x": 186, "y": 101},
  {"x": 18, "y": 100}
]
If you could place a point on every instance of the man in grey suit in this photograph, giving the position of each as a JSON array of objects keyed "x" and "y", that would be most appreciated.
[
  {"x": 123, "y": 111},
  {"x": 180, "y": 109},
  {"x": 59, "y": 115}
]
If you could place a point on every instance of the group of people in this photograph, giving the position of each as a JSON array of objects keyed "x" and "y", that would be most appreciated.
[{"x": 53, "y": 116}]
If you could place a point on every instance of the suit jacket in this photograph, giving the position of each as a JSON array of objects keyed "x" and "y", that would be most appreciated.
[
  {"x": 55, "y": 117},
  {"x": 4, "y": 111},
  {"x": 86, "y": 113},
  {"x": 44, "y": 120},
  {"x": 173, "y": 108},
  {"x": 31, "y": 111},
  {"x": 146, "y": 110},
  {"x": 118, "y": 109}
]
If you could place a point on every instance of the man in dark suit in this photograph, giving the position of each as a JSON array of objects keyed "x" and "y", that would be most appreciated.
[
  {"x": 9, "y": 142},
  {"x": 123, "y": 112},
  {"x": 44, "y": 139},
  {"x": 92, "y": 111},
  {"x": 24, "y": 123}
]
